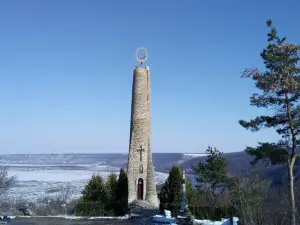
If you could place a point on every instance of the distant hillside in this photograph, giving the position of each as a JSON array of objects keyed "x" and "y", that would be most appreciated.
[
  {"x": 239, "y": 162},
  {"x": 161, "y": 161}
]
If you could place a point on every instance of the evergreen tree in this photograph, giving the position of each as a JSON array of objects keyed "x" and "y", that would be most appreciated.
[
  {"x": 170, "y": 195},
  {"x": 269, "y": 154},
  {"x": 122, "y": 193},
  {"x": 212, "y": 174},
  {"x": 279, "y": 92},
  {"x": 95, "y": 190},
  {"x": 191, "y": 194},
  {"x": 111, "y": 186},
  {"x": 94, "y": 198}
]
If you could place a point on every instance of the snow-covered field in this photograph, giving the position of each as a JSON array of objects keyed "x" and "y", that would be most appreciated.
[{"x": 41, "y": 179}]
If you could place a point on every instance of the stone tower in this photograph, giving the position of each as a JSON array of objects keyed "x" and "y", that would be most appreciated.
[{"x": 141, "y": 177}]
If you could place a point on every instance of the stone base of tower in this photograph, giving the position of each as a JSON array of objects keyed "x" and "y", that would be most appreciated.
[
  {"x": 153, "y": 200},
  {"x": 150, "y": 199},
  {"x": 140, "y": 207},
  {"x": 130, "y": 200},
  {"x": 143, "y": 204},
  {"x": 149, "y": 203}
]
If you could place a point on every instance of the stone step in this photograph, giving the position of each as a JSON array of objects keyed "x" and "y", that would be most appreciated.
[
  {"x": 141, "y": 204},
  {"x": 142, "y": 209}
]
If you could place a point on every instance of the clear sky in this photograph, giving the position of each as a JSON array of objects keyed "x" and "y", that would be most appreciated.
[{"x": 66, "y": 72}]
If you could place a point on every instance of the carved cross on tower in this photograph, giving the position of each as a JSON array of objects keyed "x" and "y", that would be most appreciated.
[{"x": 141, "y": 150}]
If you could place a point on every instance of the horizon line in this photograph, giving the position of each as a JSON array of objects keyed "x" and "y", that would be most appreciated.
[{"x": 110, "y": 153}]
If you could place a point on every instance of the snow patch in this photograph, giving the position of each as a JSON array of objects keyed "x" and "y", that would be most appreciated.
[
  {"x": 222, "y": 222},
  {"x": 195, "y": 154},
  {"x": 37, "y": 182},
  {"x": 74, "y": 217}
]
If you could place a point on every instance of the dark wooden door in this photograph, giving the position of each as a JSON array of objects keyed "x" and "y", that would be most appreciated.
[{"x": 140, "y": 189}]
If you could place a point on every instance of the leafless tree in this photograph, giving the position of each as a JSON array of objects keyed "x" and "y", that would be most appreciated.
[
  {"x": 258, "y": 203},
  {"x": 65, "y": 193},
  {"x": 6, "y": 181},
  {"x": 58, "y": 204}
]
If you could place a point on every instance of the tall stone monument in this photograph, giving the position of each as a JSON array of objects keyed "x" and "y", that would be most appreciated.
[{"x": 141, "y": 177}]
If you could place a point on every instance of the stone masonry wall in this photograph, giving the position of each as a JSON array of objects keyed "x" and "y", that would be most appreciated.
[
  {"x": 151, "y": 195},
  {"x": 140, "y": 135}
]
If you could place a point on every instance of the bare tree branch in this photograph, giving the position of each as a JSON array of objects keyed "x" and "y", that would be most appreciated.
[{"x": 6, "y": 181}]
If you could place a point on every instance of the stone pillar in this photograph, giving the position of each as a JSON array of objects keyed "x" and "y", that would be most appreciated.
[
  {"x": 184, "y": 209},
  {"x": 140, "y": 154},
  {"x": 186, "y": 218}
]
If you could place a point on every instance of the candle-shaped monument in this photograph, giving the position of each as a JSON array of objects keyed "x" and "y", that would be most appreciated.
[{"x": 141, "y": 177}]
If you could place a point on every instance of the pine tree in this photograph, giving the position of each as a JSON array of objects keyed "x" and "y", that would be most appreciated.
[
  {"x": 122, "y": 193},
  {"x": 279, "y": 92},
  {"x": 269, "y": 154},
  {"x": 111, "y": 186},
  {"x": 95, "y": 190},
  {"x": 94, "y": 198},
  {"x": 191, "y": 194},
  {"x": 212, "y": 174},
  {"x": 170, "y": 195}
]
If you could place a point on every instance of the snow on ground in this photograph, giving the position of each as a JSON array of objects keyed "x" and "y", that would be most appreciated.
[
  {"x": 222, "y": 222},
  {"x": 68, "y": 175},
  {"x": 39, "y": 181},
  {"x": 75, "y": 217},
  {"x": 188, "y": 156},
  {"x": 53, "y": 175},
  {"x": 195, "y": 154}
]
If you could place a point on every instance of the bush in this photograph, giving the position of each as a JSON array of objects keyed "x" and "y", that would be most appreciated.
[
  {"x": 104, "y": 199},
  {"x": 92, "y": 209},
  {"x": 122, "y": 194},
  {"x": 204, "y": 212},
  {"x": 170, "y": 194}
]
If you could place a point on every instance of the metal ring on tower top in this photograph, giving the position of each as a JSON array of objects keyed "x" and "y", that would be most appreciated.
[{"x": 141, "y": 59}]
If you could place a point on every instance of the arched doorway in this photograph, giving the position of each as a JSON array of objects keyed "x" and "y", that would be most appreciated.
[{"x": 140, "y": 189}]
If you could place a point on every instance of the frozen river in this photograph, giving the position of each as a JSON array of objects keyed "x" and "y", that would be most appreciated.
[{"x": 39, "y": 181}]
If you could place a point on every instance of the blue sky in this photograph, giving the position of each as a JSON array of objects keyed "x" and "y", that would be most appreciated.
[{"x": 66, "y": 72}]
